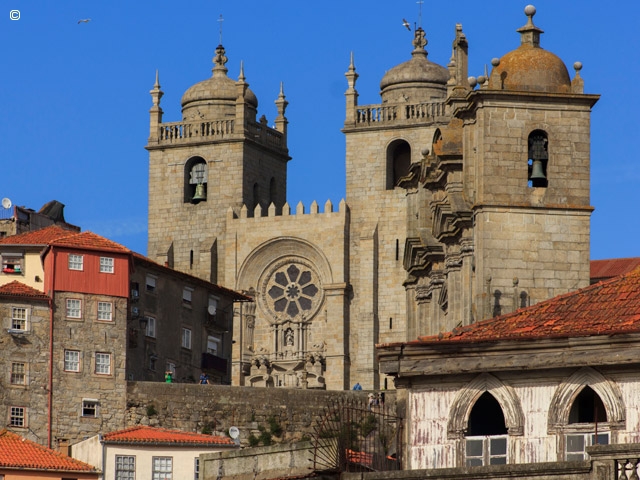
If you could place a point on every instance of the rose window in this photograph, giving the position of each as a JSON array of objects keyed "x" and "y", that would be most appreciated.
[{"x": 292, "y": 291}]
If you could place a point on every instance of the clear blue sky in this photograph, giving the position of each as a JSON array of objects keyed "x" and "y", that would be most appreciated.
[{"x": 74, "y": 97}]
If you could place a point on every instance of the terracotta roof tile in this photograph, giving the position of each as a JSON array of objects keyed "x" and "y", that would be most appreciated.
[
  {"x": 18, "y": 289},
  {"x": 18, "y": 452},
  {"x": 142, "y": 434},
  {"x": 89, "y": 241},
  {"x": 43, "y": 236},
  {"x": 604, "y": 269},
  {"x": 606, "y": 308}
]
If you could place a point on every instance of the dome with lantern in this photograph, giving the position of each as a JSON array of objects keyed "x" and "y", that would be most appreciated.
[
  {"x": 215, "y": 98},
  {"x": 530, "y": 68}
]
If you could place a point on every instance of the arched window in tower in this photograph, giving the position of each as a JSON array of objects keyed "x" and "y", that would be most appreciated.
[
  {"x": 195, "y": 180},
  {"x": 272, "y": 191},
  {"x": 398, "y": 162},
  {"x": 538, "y": 155},
  {"x": 486, "y": 437},
  {"x": 587, "y": 425}
]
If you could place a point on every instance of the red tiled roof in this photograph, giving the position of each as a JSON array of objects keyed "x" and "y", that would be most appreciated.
[
  {"x": 18, "y": 452},
  {"x": 43, "y": 236},
  {"x": 142, "y": 435},
  {"x": 606, "y": 308},
  {"x": 89, "y": 241},
  {"x": 18, "y": 289},
  {"x": 603, "y": 269}
]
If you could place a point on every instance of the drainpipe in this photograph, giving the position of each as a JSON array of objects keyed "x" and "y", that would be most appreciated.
[
  {"x": 50, "y": 389},
  {"x": 50, "y": 395}
]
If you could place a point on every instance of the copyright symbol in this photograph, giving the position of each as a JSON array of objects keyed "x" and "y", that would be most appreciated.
[{"x": 14, "y": 14}]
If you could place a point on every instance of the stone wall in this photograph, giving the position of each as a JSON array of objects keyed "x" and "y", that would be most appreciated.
[{"x": 215, "y": 408}]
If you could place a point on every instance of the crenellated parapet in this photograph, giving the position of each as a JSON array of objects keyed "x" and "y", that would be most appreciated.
[{"x": 259, "y": 212}]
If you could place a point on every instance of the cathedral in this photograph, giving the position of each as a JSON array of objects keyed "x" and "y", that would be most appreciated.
[{"x": 466, "y": 198}]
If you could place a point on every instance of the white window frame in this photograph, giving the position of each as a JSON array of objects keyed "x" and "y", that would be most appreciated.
[
  {"x": 70, "y": 361},
  {"x": 487, "y": 457},
  {"x": 74, "y": 308},
  {"x": 103, "y": 363},
  {"x": 90, "y": 405},
  {"x": 577, "y": 453},
  {"x": 18, "y": 417},
  {"x": 211, "y": 341},
  {"x": 76, "y": 262},
  {"x": 186, "y": 295},
  {"x": 125, "y": 467},
  {"x": 107, "y": 265},
  {"x": 196, "y": 468},
  {"x": 150, "y": 283},
  {"x": 150, "y": 330},
  {"x": 186, "y": 338},
  {"x": 19, "y": 319},
  {"x": 18, "y": 373},
  {"x": 105, "y": 311},
  {"x": 162, "y": 468},
  {"x": 171, "y": 367},
  {"x": 213, "y": 305}
]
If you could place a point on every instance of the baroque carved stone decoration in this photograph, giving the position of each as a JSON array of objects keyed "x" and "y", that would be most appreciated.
[{"x": 291, "y": 292}]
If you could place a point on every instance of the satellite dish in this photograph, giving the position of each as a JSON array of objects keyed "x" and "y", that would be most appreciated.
[
  {"x": 234, "y": 432},
  {"x": 211, "y": 310},
  {"x": 6, "y": 203}
]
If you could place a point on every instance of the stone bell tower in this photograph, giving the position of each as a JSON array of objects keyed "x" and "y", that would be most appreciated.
[
  {"x": 508, "y": 186},
  {"x": 217, "y": 157}
]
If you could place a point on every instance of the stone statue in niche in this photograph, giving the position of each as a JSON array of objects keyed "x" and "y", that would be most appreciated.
[{"x": 288, "y": 337}]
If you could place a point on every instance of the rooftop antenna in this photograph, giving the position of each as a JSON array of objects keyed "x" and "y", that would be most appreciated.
[
  {"x": 420, "y": 2},
  {"x": 220, "y": 20}
]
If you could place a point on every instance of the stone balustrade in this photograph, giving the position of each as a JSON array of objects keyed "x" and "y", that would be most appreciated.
[
  {"x": 186, "y": 132},
  {"x": 398, "y": 113}
]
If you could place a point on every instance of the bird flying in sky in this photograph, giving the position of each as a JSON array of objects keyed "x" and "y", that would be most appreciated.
[
  {"x": 84, "y": 20},
  {"x": 406, "y": 24}
]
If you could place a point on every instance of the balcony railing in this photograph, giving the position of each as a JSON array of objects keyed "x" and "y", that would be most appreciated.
[
  {"x": 400, "y": 113},
  {"x": 176, "y": 131}
]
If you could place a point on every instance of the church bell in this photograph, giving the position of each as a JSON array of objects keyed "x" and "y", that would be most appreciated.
[
  {"x": 200, "y": 194},
  {"x": 537, "y": 173}
]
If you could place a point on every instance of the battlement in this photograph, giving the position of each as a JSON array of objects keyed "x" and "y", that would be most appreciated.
[
  {"x": 398, "y": 114},
  {"x": 271, "y": 212}
]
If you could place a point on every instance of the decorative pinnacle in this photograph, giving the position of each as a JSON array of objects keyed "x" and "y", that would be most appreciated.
[
  {"x": 157, "y": 84},
  {"x": 241, "y": 77},
  {"x": 419, "y": 42},
  {"x": 220, "y": 59},
  {"x": 530, "y": 34}
]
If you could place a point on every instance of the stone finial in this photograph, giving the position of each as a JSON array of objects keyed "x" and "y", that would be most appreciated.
[
  {"x": 281, "y": 105},
  {"x": 219, "y": 61},
  {"x": 286, "y": 209},
  {"x": 577, "y": 84},
  {"x": 419, "y": 42},
  {"x": 530, "y": 34},
  {"x": 315, "y": 208},
  {"x": 156, "y": 93},
  {"x": 300, "y": 208},
  {"x": 351, "y": 75}
]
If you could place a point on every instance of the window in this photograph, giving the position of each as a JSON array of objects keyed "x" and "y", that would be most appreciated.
[
  {"x": 486, "y": 439},
  {"x": 186, "y": 295},
  {"x": 196, "y": 468},
  {"x": 71, "y": 361},
  {"x": 106, "y": 265},
  {"x": 74, "y": 308},
  {"x": 171, "y": 367},
  {"x": 151, "y": 283},
  {"x": 75, "y": 262},
  {"x": 398, "y": 162},
  {"x": 213, "y": 345},
  {"x": 186, "y": 338},
  {"x": 213, "y": 306},
  {"x": 13, "y": 263},
  {"x": 19, "y": 319},
  {"x": 103, "y": 363},
  {"x": 125, "y": 467},
  {"x": 576, "y": 444},
  {"x": 151, "y": 327},
  {"x": 162, "y": 468},
  {"x": 89, "y": 408},
  {"x": 18, "y": 373},
  {"x": 17, "y": 417},
  {"x": 104, "y": 311},
  {"x": 586, "y": 415},
  {"x": 195, "y": 180}
]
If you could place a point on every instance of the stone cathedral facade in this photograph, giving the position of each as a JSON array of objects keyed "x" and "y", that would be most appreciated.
[{"x": 466, "y": 198}]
